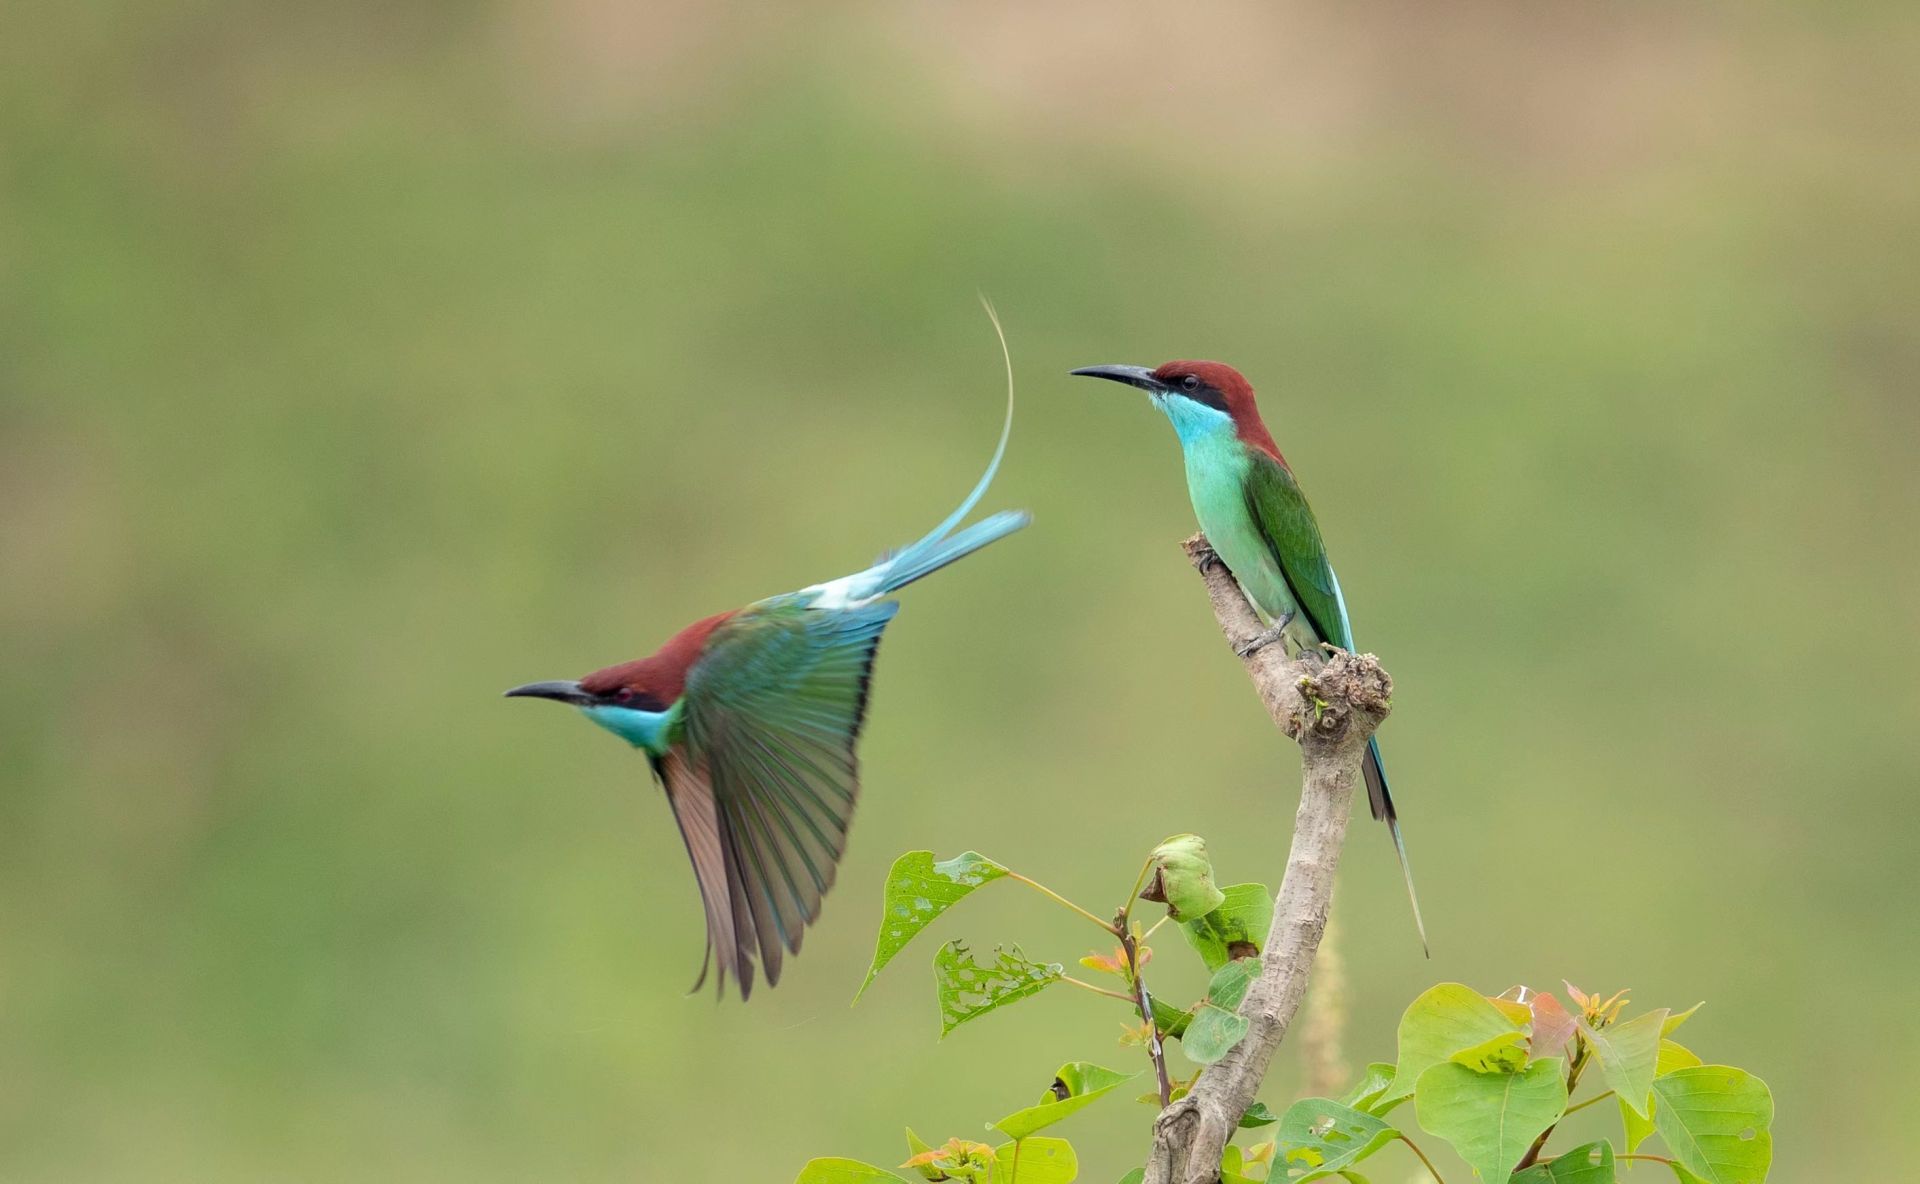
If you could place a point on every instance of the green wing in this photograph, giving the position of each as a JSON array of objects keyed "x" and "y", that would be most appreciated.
[
  {"x": 764, "y": 778},
  {"x": 1286, "y": 523}
]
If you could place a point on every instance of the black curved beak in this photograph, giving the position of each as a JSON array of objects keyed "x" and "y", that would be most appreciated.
[
  {"x": 561, "y": 691},
  {"x": 1138, "y": 376}
]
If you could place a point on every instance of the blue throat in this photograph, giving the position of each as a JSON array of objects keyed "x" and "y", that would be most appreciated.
[
  {"x": 642, "y": 729},
  {"x": 1193, "y": 422}
]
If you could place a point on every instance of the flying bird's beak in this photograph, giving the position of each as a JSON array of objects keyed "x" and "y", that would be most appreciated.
[
  {"x": 1138, "y": 376},
  {"x": 563, "y": 691}
]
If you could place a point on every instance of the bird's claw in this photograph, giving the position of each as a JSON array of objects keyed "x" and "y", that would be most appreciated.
[{"x": 1276, "y": 632}]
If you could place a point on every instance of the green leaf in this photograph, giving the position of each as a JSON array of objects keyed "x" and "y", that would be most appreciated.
[
  {"x": 1505, "y": 1053},
  {"x": 917, "y": 891},
  {"x": 1229, "y": 984},
  {"x": 1635, "y": 1128},
  {"x": 1681, "y": 1174},
  {"x": 1036, "y": 1161},
  {"x": 1371, "y": 1088},
  {"x": 1076, "y": 1085},
  {"x": 1680, "y": 1017},
  {"x": 1233, "y": 1166},
  {"x": 1674, "y": 1056},
  {"x": 841, "y": 1171},
  {"x": 1491, "y": 1118},
  {"x": 1212, "y": 1034},
  {"x": 1716, "y": 1120},
  {"x": 968, "y": 990},
  {"x": 1243, "y": 918},
  {"x": 1444, "y": 1020},
  {"x": 1628, "y": 1055},
  {"x": 1183, "y": 878},
  {"x": 1257, "y": 1115},
  {"x": 1318, "y": 1137},
  {"x": 1169, "y": 1020},
  {"x": 1591, "y": 1164},
  {"x": 1136, "y": 1176},
  {"x": 916, "y": 1146},
  {"x": 1216, "y": 1027}
]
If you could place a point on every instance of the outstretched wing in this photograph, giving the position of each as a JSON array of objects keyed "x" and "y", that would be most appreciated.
[
  {"x": 765, "y": 778},
  {"x": 1286, "y": 522}
]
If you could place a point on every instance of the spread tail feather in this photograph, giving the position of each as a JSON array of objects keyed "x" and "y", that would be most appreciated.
[{"x": 1381, "y": 803}]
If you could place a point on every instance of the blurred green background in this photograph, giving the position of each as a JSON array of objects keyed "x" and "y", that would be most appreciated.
[{"x": 358, "y": 361}]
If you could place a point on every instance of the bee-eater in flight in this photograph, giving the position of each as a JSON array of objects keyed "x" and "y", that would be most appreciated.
[
  {"x": 1260, "y": 525},
  {"x": 750, "y": 719}
]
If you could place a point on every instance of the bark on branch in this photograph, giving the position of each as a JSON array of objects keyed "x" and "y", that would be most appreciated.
[{"x": 1330, "y": 709}]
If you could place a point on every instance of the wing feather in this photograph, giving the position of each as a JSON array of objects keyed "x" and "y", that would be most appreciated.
[
  {"x": 1287, "y": 524},
  {"x": 773, "y": 710}
]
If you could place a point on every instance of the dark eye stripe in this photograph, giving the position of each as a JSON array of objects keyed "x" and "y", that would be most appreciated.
[{"x": 1208, "y": 396}]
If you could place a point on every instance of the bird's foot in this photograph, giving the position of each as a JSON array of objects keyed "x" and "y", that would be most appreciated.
[{"x": 1265, "y": 638}]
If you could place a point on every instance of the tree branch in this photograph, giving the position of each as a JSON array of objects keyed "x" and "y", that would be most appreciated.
[{"x": 1331, "y": 709}]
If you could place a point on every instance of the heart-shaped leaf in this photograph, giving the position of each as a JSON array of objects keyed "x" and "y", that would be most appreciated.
[
  {"x": 1717, "y": 1121},
  {"x": 1491, "y": 1118},
  {"x": 1444, "y": 1020}
]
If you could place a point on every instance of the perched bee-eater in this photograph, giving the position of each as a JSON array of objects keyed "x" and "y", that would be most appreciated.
[
  {"x": 1260, "y": 525},
  {"x": 749, "y": 720}
]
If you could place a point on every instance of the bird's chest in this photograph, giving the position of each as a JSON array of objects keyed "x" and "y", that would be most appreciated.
[{"x": 1216, "y": 482}]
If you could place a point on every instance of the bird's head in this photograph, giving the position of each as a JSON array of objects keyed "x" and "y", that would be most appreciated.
[
  {"x": 618, "y": 698},
  {"x": 1201, "y": 399}
]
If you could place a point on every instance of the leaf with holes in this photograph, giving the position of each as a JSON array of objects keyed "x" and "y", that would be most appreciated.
[
  {"x": 968, "y": 990},
  {"x": 1036, "y": 1161},
  {"x": 1716, "y": 1120},
  {"x": 1629, "y": 1053},
  {"x": 1491, "y": 1118},
  {"x": 1444, "y": 1020},
  {"x": 1077, "y": 1084},
  {"x": 1591, "y": 1164},
  {"x": 917, "y": 891},
  {"x": 1317, "y": 1137},
  {"x": 1234, "y": 930}
]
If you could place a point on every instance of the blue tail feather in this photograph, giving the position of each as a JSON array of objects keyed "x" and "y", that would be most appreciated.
[{"x": 923, "y": 560}]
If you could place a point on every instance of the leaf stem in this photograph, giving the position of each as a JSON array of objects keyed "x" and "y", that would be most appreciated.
[
  {"x": 1042, "y": 888},
  {"x": 1590, "y": 1101},
  {"x": 1648, "y": 1158},
  {"x": 1156, "y": 925},
  {"x": 1130, "y": 945},
  {"x": 1087, "y": 986},
  {"x": 1139, "y": 882},
  {"x": 1431, "y": 1170}
]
